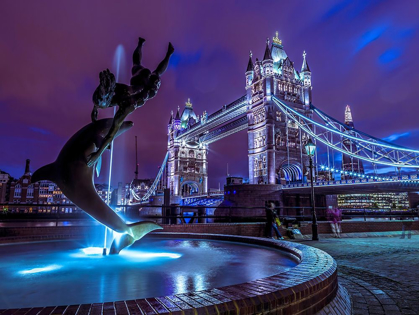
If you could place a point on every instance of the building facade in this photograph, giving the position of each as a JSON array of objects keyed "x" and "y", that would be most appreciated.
[
  {"x": 5, "y": 180},
  {"x": 23, "y": 190},
  {"x": 376, "y": 201},
  {"x": 45, "y": 194},
  {"x": 120, "y": 195},
  {"x": 104, "y": 192}
]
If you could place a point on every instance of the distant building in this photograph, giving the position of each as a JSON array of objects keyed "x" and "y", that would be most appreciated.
[
  {"x": 23, "y": 191},
  {"x": 103, "y": 191},
  {"x": 43, "y": 193},
  {"x": 349, "y": 163},
  {"x": 378, "y": 201},
  {"x": 231, "y": 180},
  {"x": 5, "y": 180},
  {"x": 119, "y": 195}
]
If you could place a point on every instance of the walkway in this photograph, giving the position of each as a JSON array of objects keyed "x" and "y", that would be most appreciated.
[{"x": 380, "y": 273}]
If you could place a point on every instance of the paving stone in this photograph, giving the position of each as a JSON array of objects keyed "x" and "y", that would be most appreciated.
[{"x": 380, "y": 273}]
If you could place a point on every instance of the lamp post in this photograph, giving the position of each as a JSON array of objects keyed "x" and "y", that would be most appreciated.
[{"x": 310, "y": 150}]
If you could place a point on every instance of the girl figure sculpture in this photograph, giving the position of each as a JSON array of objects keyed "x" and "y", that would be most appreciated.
[{"x": 144, "y": 85}]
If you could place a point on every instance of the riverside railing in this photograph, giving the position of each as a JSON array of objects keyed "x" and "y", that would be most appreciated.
[{"x": 176, "y": 214}]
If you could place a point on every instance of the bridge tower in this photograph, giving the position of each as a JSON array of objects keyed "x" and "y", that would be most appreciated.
[
  {"x": 276, "y": 145},
  {"x": 187, "y": 167}
]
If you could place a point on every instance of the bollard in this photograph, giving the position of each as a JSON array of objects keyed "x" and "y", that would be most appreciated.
[
  {"x": 171, "y": 212},
  {"x": 174, "y": 213},
  {"x": 201, "y": 214}
]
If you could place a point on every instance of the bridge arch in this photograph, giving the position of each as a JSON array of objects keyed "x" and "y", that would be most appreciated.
[
  {"x": 290, "y": 172},
  {"x": 189, "y": 188}
]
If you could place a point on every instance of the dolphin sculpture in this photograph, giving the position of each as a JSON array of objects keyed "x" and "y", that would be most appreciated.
[{"x": 75, "y": 179}]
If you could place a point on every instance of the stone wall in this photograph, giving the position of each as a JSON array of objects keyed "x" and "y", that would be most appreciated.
[{"x": 248, "y": 195}]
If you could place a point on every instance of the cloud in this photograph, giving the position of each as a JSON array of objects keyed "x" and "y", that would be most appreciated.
[
  {"x": 371, "y": 36},
  {"x": 390, "y": 55},
  {"x": 40, "y": 130},
  {"x": 396, "y": 136}
]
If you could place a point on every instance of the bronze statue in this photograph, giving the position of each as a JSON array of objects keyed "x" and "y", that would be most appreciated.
[
  {"x": 144, "y": 85},
  {"x": 71, "y": 173}
]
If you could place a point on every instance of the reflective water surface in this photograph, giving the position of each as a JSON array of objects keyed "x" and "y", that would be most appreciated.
[{"x": 70, "y": 272}]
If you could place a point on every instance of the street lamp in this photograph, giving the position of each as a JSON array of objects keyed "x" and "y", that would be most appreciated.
[{"x": 310, "y": 150}]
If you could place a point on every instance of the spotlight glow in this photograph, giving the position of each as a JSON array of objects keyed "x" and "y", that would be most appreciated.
[
  {"x": 117, "y": 236},
  {"x": 92, "y": 250},
  {"x": 148, "y": 255},
  {"x": 38, "y": 270}
]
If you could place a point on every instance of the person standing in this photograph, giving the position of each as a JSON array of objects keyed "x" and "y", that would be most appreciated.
[
  {"x": 272, "y": 221},
  {"x": 338, "y": 215}
]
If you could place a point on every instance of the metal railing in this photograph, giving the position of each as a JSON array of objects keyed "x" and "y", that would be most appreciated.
[{"x": 176, "y": 214}]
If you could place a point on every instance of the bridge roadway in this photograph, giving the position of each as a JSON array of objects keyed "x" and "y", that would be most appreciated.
[
  {"x": 229, "y": 119},
  {"x": 405, "y": 183}
]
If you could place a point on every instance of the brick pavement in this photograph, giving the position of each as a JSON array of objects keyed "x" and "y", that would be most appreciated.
[
  {"x": 341, "y": 304},
  {"x": 381, "y": 274}
]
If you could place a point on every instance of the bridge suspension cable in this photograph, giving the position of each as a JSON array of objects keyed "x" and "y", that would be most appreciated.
[
  {"x": 153, "y": 187},
  {"x": 364, "y": 146}
]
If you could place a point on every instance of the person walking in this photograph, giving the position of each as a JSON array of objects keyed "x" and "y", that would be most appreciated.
[{"x": 335, "y": 218}]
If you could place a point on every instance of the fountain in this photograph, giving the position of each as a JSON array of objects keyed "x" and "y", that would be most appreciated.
[
  {"x": 164, "y": 272},
  {"x": 118, "y": 59},
  {"x": 66, "y": 274},
  {"x": 73, "y": 169}
]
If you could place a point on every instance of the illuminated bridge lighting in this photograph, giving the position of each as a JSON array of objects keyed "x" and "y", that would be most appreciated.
[
  {"x": 38, "y": 270},
  {"x": 322, "y": 167}
]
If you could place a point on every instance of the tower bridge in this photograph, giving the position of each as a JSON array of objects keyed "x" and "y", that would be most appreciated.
[
  {"x": 279, "y": 115},
  {"x": 274, "y": 144}
]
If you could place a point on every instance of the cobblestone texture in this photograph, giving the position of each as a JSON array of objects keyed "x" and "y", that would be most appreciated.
[{"x": 381, "y": 274}]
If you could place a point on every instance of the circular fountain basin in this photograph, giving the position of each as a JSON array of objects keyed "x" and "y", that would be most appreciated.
[
  {"x": 248, "y": 275},
  {"x": 66, "y": 272}
]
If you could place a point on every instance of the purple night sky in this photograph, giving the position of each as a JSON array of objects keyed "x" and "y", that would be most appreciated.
[{"x": 361, "y": 53}]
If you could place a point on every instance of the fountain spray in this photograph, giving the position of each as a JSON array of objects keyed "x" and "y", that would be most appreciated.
[{"x": 119, "y": 54}]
